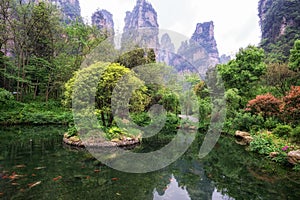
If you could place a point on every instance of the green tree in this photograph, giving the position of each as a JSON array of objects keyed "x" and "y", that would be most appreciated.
[
  {"x": 80, "y": 40},
  {"x": 136, "y": 57},
  {"x": 7, "y": 71},
  {"x": 279, "y": 76},
  {"x": 5, "y": 14},
  {"x": 294, "y": 60},
  {"x": 106, "y": 76},
  {"x": 244, "y": 71},
  {"x": 33, "y": 30}
]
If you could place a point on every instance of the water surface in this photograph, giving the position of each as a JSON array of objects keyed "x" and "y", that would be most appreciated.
[{"x": 34, "y": 164}]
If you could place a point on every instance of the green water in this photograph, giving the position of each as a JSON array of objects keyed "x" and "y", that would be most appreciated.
[{"x": 34, "y": 164}]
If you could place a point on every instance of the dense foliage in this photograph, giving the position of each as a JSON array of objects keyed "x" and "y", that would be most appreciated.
[
  {"x": 267, "y": 105},
  {"x": 40, "y": 61},
  {"x": 244, "y": 71},
  {"x": 40, "y": 52}
]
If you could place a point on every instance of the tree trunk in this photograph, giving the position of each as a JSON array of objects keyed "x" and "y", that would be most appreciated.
[
  {"x": 103, "y": 118},
  {"x": 35, "y": 89},
  {"x": 18, "y": 79}
]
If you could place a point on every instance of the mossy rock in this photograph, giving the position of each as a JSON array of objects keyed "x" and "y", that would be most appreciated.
[
  {"x": 74, "y": 139},
  {"x": 115, "y": 140}
]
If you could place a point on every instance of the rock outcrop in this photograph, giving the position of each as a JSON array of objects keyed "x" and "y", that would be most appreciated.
[
  {"x": 204, "y": 37},
  {"x": 77, "y": 142},
  {"x": 224, "y": 59},
  {"x": 103, "y": 20},
  {"x": 195, "y": 55},
  {"x": 141, "y": 27},
  {"x": 294, "y": 157},
  {"x": 244, "y": 138},
  {"x": 275, "y": 16},
  {"x": 167, "y": 49},
  {"x": 279, "y": 22},
  {"x": 200, "y": 52},
  {"x": 70, "y": 9}
]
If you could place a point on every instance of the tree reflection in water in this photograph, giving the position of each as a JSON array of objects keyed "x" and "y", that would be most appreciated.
[{"x": 36, "y": 155}]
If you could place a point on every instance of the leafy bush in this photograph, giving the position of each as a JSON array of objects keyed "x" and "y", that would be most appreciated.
[
  {"x": 282, "y": 130},
  {"x": 296, "y": 133},
  {"x": 87, "y": 82},
  {"x": 267, "y": 105},
  {"x": 262, "y": 144},
  {"x": 141, "y": 119},
  {"x": 294, "y": 59},
  {"x": 114, "y": 133},
  {"x": 205, "y": 107},
  {"x": 270, "y": 123},
  {"x": 297, "y": 168},
  {"x": 291, "y": 107},
  {"x": 35, "y": 113},
  {"x": 72, "y": 131},
  {"x": 247, "y": 122},
  {"x": 5, "y": 97},
  {"x": 233, "y": 99},
  {"x": 171, "y": 124}
]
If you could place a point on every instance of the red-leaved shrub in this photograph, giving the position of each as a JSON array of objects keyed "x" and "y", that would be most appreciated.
[
  {"x": 267, "y": 105},
  {"x": 291, "y": 106}
]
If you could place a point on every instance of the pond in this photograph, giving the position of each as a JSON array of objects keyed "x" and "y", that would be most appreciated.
[{"x": 34, "y": 164}]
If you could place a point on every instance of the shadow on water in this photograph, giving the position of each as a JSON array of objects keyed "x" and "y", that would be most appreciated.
[{"x": 34, "y": 164}]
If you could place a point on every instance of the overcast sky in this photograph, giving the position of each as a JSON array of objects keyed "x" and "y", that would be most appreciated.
[{"x": 236, "y": 21}]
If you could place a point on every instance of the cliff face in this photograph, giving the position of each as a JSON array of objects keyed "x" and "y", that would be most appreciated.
[
  {"x": 69, "y": 8},
  {"x": 167, "y": 49},
  {"x": 200, "y": 52},
  {"x": 143, "y": 16},
  {"x": 204, "y": 37},
  {"x": 197, "y": 54},
  {"x": 280, "y": 25},
  {"x": 103, "y": 20},
  {"x": 224, "y": 59}
]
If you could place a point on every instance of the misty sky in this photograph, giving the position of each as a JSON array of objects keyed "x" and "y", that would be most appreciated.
[{"x": 236, "y": 21}]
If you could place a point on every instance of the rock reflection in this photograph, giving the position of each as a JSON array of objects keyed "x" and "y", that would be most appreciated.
[
  {"x": 219, "y": 196},
  {"x": 172, "y": 191}
]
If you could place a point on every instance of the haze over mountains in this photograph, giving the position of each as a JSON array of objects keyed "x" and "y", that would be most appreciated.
[
  {"x": 279, "y": 22},
  {"x": 195, "y": 54}
]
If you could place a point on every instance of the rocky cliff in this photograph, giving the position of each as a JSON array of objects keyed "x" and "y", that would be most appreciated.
[
  {"x": 167, "y": 49},
  {"x": 197, "y": 54},
  {"x": 224, "y": 59},
  {"x": 200, "y": 52},
  {"x": 103, "y": 20},
  {"x": 70, "y": 9},
  {"x": 280, "y": 25},
  {"x": 204, "y": 37},
  {"x": 141, "y": 26}
]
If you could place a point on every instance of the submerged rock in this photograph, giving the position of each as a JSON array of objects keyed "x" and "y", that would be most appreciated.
[{"x": 294, "y": 157}]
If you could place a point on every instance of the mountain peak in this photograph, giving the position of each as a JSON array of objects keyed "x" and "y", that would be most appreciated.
[
  {"x": 205, "y": 29},
  {"x": 142, "y": 17},
  {"x": 103, "y": 20}
]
